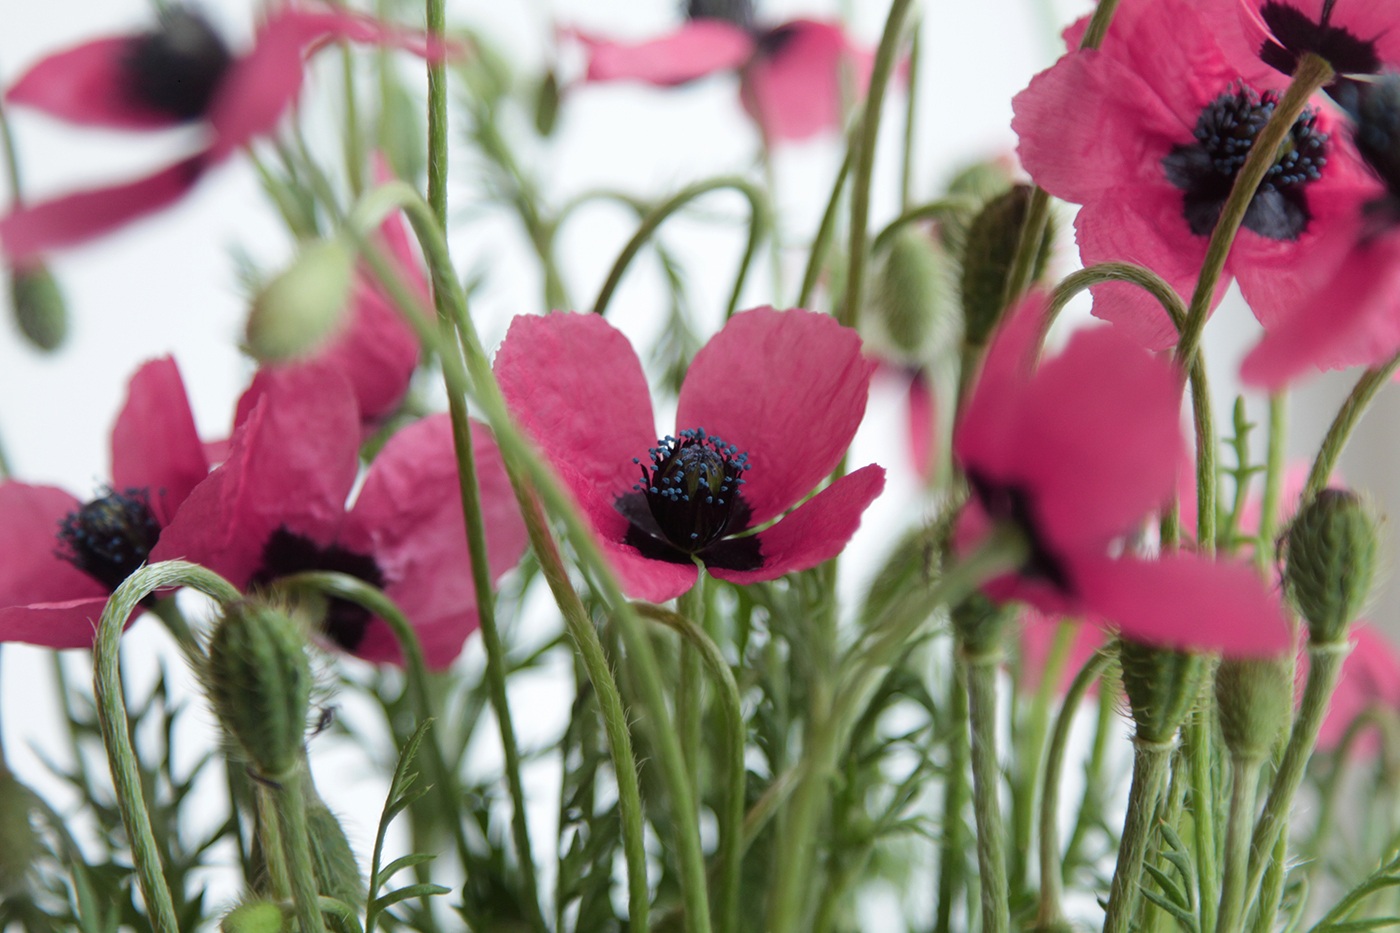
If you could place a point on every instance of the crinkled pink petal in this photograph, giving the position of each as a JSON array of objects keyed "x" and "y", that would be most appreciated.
[
  {"x": 408, "y": 516},
  {"x": 87, "y": 85},
  {"x": 700, "y": 47},
  {"x": 787, "y": 387},
  {"x": 1186, "y": 602},
  {"x": 1038, "y": 635},
  {"x": 923, "y": 428},
  {"x": 1245, "y": 33},
  {"x": 37, "y": 228},
  {"x": 795, "y": 84},
  {"x": 815, "y": 531},
  {"x": 291, "y": 464},
  {"x": 1370, "y": 678},
  {"x": 155, "y": 445},
  {"x": 67, "y": 624},
  {"x": 577, "y": 388},
  {"x": 30, "y": 569}
]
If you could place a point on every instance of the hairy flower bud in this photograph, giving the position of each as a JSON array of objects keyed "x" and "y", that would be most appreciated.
[
  {"x": 912, "y": 302},
  {"x": 302, "y": 306},
  {"x": 1255, "y": 700},
  {"x": 254, "y": 917},
  {"x": 979, "y": 623},
  {"x": 991, "y": 249},
  {"x": 1330, "y": 561},
  {"x": 19, "y": 843},
  {"x": 976, "y": 184},
  {"x": 40, "y": 311},
  {"x": 258, "y": 680},
  {"x": 1161, "y": 686},
  {"x": 337, "y": 872}
]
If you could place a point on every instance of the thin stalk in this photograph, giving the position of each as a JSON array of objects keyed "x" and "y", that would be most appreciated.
[
  {"x": 981, "y": 673},
  {"x": 1089, "y": 804},
  {"x": 933, "y": 210},
  {"x": 1050, "y": 914},
  {"x": 826, "y": 230},
  {"x": 1244, "y": 777},
  {"x": 955, "y": 798},
  {"x": 867, "y": 134},
  {"x": 1032, "y": 748},
  {"x": 1199, "y": 755},
  {"x": 270, "y": 836},
  {"x": 1345, "y": 422},
  {"x": 287, "y": 789},
  {"x": 690, "y": 688},
  {"x": 1273, "y": 481},
  {"x": 1150, "y": 765},
  {"x": 911, "y": 112}
]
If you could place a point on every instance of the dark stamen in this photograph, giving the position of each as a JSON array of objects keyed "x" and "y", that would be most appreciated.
[
  {"x": 1004, "y": 502},
  {"x": 738, "y": 12},
  {"x": 176, "y": 68},
  {"x": 692, "y": 487},
  {"x": 110, "y": 537},
  {"x": 287, "y": 553}
]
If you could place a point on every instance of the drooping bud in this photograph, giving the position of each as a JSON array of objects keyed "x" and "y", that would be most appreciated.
[
  {"x": 254, "y": 917},
  {"x": 991, "y": 249},
  {"x": 40, "y": 311},
  {"x": 258, "y": 680},
  {"x": 1329, "y": 562},
  {"x": 1162, "y": 686},
  {"x": 912, "y": 307},
  {"x": 20, "y": 845},
  {"x": 1255, "y": 700},
  {"x": 976, "y": 184},
  {"x": 304, "y": 304}
]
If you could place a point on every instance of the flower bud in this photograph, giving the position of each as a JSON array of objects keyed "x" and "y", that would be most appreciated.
[
  {"x": 979, "y": 623},
  {"x": 991, "y": 249},
  {"x": 1161, "y": 686},
  {"x": 1329, "y": 562},
  {"x": 254, "y": 917},
  {"x": 977, "y": 184},
  {"x": 304, "y": 304},
  {"x": 912, "y": 302},
  {"x": 337, "y": 872},
  {"x": 548, "y": 97},
  {"x": 1255, "y": 700},
  {"x": 258, "y": 680},
  {"x": 40, "y": 311},
  {"x": 20, "y": 846}
]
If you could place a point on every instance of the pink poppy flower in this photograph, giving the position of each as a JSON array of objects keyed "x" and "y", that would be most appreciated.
[
  {"x": 792, "y": 77},
  {"x": 1352, "y": 316},
  {"x": 1370, "y": 679},
  {"x": 179, "y": 73},
  {"x": 1355, "y": 38},
  {"x": 767, "y": 410},
  {"x": 1037, "y": 640},
  {"x": 277, "y": 506},
  {"x": 60, "y": 558},
  {"x": 1148, "y": 135},
  {"x": 1077, "y": 453}
]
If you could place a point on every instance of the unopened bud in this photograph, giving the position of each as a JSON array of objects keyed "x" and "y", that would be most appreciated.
[
  {"x": 979, "y": 623},
  {"x": 20, "y": 846},
  {"x": 304, "y": 304},
  {"x": 547, "y": 100},
  {"x": 337, "y": 872},
  {"x": 258, "y": 680},
  {"x": 912, "y": 302},
  {"x": 1255, "y": 700},
  {"x": 991, "y": 249},
  {"x": 1330, "y": 561},
  {"x": 254, "y": 917},
  {"x": 974, "y": 185},
  {"x": 1161, "y": 686},
  {"x": 40, "y": 311}
]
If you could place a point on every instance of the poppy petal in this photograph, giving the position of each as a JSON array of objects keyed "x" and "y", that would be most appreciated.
[
  {"x": 700, "y": 47},
  {"x": 155, "y": 445},
  {"x": 793, "y": 87},
  {"x": 68, "y": 624},
  {"x": 31, "y": 570},
  {"x": 87, "y": 85},
  {"x": 788, "y": 388}
]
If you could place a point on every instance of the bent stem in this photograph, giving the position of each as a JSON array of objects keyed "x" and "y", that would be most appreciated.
[
  {"x": 290, "y": 805},
  {"x": 1345, "y": 422},
  {"x": 1150, "y": 765}
]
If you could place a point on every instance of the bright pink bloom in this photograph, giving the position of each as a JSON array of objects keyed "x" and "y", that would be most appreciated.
[
  {"x": 60, "y": 558},
  {"x": 179, "y": 73},
  {"x": 767, "y": 410},
  {"x": 277, "y": 506},
  {"x": 1038, "y": 635},
  {"x": 1370, "y": 680},
  {"x": 1148, "y": 132},
  {"x": 1077, "y": 453},
  {"x": 1352, "y": 316},
  {"x": 794, "y": 77},
  {"x": 1356, "y": 38}
]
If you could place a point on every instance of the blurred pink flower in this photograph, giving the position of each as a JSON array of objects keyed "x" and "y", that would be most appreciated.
[
  {"x": 1370, "y": 679},
  {"x": 767, "y": 410},
  {"x": 1038, "y": 634},
  {"x": 1355, "y": 38}
]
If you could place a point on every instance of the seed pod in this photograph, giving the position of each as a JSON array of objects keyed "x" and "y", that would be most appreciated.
[
  {"x": 1255, "y": 699},
  {"x": 911, "y": 304},
  {"x": 304, "y": 304},
  {"x": 254, "y": 917},
  {"x": 1330, "y": 562},
  {"x": 40, "y": 311},
  {"x": 991, "y": 248}
]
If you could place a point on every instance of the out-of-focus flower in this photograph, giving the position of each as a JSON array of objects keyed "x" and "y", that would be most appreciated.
[
  {"x": 1039, "y": 633},
  {"x": 1370, "y": 680},
  {"x": 1076, "y": 453},
  {"x": 277, "y": 506},
  {"x": 1148, "y": 133},
  {"x": 793, "y": 78},
  {"x": 179, "y": 73},
  {"x": 1355, "y": 38},
  {"x": 767, "y": 410},
  {"x": 60, "y": 558}
]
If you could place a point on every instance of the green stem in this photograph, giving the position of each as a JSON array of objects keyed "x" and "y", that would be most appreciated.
[
  {"x": 1090, "y": 803},
  {"x": 1273, "y": 481},
  {"x": 1150, "y": 761},
  {"x": 1200, "y": 755},
  {"x": 758, "y": 225},
  {"x": 955, "y": 796},
  {"x": 933, "y": 210},
  {"x": 291, "y": 809},
  {"x": 11, "y": 156},
  {"x": 911, "y": 102},
  {"x": 1050, "y": 915},
  {"x": 826, "y": 231},
  {"x": 1244, "y": 777},
  {"x": 111, "y": 715},
  {"x": 690, "y": 698},
  {"x": 435, "y": 16},
  {"x": 867, "y": 135},
  {"x": 270, "y": 836},
  {"x": 1031, "y": 748},
  {"x": 1311, "y": 74},
  {"x": 1345, "y": 422},
  {"x": 981, "y": 673}
]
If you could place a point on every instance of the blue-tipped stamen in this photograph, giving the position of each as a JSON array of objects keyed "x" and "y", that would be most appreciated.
[
  {"x": 691, "y": 486},
  {"x": 111, "y": 536}
]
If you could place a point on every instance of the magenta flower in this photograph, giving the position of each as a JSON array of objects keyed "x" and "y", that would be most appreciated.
[
  {"x": 793, "y": 77},
  {"x": 60, "y": 558},
  {"x": 1370, "y": 680},
  {"x": 277, "y": 506},
  {"x": 1355, "y": 38},
  {"x": 767, "y": 410},
  {"x": 1076, "y": 454},
  {"x": 1038, "y": 635},
  {"x": 1147, "y": 134},
  {"x": 179, "y": 73},
  {"x": 1352, "y": 316}
]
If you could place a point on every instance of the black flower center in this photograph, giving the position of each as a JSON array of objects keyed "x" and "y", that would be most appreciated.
[
  {"x": 1377, "y": 135},
  {"x": 1010, "y": 504},
  {"x": 176, "y": 68},
  {"x": 692, "y": 487},
  {"x": 1225, "y": 131},
  {"x": 110, "y": 537},
  {"x": 287, "y": 553},
  {"x": 738, "y": 12},
  {"x": 1294, "y": 34}
]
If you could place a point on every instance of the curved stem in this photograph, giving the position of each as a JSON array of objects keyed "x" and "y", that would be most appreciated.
[
  {"x": 758, "y": 225},
  {"x": 1150, "y": 763},
  {"x": 868, "y": 133},
  {"x": 1345, "y": 422},
  {"x": 933, "y": 210},
  {"x": 826, "y": 230},
  {"x": 111, "y": 715}
]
